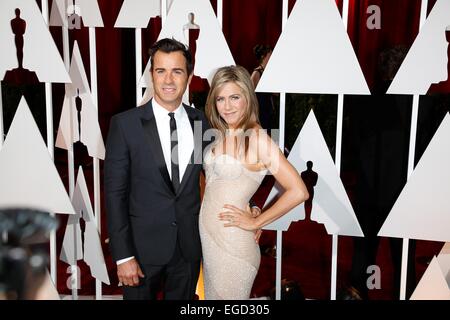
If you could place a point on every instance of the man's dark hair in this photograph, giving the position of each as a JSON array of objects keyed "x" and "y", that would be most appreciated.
[{"x": 167, "y": 45}]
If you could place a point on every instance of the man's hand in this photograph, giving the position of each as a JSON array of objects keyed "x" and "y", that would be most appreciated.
[
  {"x": 129, "y": 273},
  {"x": 256, "y": 211}
]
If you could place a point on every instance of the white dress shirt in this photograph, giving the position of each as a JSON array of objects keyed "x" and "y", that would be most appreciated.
[
  {"x": 185, "y": 136},
  {"x": 185, "y": 140}
]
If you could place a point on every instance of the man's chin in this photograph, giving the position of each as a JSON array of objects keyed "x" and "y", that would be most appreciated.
[{"x": 171, "y": 102}]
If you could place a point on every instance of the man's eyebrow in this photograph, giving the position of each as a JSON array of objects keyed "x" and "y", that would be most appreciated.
[{"x": 178, "y": 69}]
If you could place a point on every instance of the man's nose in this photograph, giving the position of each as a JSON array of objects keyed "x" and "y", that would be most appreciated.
[{"x": 168, "y": 78}]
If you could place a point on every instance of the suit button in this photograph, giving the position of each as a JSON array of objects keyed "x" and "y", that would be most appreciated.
[{"x": 174, "y": 224}]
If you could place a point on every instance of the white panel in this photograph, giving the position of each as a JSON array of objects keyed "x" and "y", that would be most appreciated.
[
  {"x": 77, "y": 73},
  {"x": 426, "y": 62},
  {"x": 67, "y": 132},
  {"x": 169, "y": 4},
  {"x": 39, "y": 51},
  {"x": 444, "y": 261},
  {"x": 314, "y": 54},
  {"x": 58, "y": 13},
  {"x": 72, "y": 250},
  {"x": 93, "y": 254},
  {"x": 433, "y": 285},
  {"x": 331, "y": 205},
  {"x": 422, "y": 211},
  {"x": 137, "y": 13},
  {"x": 89, "y": 11},
  {"x": 91, "y": 135},
  {"x": 25, "y": 166}
]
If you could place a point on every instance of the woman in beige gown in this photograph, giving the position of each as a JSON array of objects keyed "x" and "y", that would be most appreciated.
[{"x": 235, "y": 164}]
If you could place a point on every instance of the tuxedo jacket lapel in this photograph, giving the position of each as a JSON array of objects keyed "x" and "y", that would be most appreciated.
[{"x": 151, "y": 130}]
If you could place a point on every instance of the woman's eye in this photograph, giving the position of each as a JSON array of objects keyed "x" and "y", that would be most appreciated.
[{"x": 235, "y": 97}]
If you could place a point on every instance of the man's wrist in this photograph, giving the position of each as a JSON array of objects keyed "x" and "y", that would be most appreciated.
[
  {"x": 124, "y": 260},
  {"x": 256, "y": 211}
]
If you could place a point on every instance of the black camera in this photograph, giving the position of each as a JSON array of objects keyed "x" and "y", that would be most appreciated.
[{"x": 22, "y": 266}]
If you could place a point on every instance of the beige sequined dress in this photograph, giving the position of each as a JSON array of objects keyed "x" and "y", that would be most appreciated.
[{"x": 231, "y": 256}]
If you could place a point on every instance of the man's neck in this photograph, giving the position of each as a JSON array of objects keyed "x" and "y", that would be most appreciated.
[{"x": 168, "y": 107}]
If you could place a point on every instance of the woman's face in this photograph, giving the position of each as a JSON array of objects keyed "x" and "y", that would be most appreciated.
[{"x": 231, "y": 104}]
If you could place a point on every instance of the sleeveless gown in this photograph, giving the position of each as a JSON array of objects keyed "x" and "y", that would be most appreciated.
[{"x": 231, "y": 256}]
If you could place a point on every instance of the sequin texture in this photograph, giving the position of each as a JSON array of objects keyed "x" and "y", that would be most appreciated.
[{"x": 231, "y": 257}]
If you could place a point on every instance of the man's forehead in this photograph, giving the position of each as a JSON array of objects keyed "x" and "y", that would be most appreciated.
[{"x": 174, "y": 59}]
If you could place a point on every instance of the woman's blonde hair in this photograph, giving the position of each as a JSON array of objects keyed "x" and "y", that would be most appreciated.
[{"x": 239, "y": 76}]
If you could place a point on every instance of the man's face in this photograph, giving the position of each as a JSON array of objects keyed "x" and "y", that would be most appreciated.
[{"x": 170, "y": 78}]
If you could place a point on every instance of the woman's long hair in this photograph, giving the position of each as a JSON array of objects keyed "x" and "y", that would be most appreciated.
[{"x": 239, "y": 76}]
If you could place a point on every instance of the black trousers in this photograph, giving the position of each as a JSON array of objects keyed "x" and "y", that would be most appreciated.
[{"x": 177, "y": 279}]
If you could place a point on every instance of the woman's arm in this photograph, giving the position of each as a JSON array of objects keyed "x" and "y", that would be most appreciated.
[
  {"x": 255, "y": 78},
  {"x": 285, "y": 174}
]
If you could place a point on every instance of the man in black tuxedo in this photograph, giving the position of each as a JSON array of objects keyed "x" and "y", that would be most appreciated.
[{"x": 152, "y": 184}]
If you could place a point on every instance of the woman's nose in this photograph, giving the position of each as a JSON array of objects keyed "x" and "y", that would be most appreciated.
[{"x": 227, "y": 104}]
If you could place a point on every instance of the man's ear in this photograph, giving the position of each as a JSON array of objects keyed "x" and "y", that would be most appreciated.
[{"x": 190, "y": 78}]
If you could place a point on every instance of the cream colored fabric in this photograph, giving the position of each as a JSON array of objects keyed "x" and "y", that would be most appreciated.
[{"x": 231, "y": 256}]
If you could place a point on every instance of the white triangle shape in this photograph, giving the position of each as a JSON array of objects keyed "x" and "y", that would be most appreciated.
[
  {"x": 88, "y": 10},
  {"x": 90, "y": 13},
  {"x": 93, "y": 253},
  {"x": 58, "y": 13},
  {"x": 169, "y": 4},
  {"x": 72, "y": 249},
  {"x": 331, "y": 205},
  {"x": 40, "y": 53},
  {"x": 445, "y": 250},
  {"x": 212, "y": 48},
  {"x": 435, "y": 282},
  {"x": 426, "y": 61},
  {"x": 91, "y": 135},
  {"x": 432, "y": 285},
  {"x": 26, "y": 166},
  {"x": 422, "y": 210},
  {"x": 137, "y": 13},
  {"x": 444, "y": 261},
  {"x": 77, "y": 74},
  {"x": 314, "y": 54},
  {"x": 68, "y": 125}
]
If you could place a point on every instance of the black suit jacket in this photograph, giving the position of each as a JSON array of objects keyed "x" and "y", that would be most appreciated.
[{"x": 145, "y": 216}]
